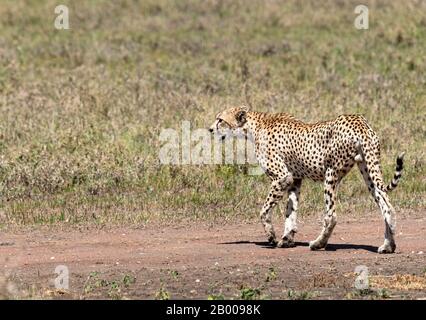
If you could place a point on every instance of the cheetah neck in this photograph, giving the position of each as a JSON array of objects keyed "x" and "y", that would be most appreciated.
[
  {"x": 253, "y": 122},
  {"x": 256, "y": 121}
]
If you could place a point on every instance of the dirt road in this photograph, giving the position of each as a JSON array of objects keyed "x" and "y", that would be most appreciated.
[{"x": 230, "y": 261}]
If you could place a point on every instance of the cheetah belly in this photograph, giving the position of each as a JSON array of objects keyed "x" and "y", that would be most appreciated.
[
  {"x": 306, "y": 164},
  {"x": 311, "y": 169}
]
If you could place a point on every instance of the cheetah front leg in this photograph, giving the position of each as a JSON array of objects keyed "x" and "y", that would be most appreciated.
[
  {"x": 278, "y": 188},
  {"x": 290, "y": 224}
]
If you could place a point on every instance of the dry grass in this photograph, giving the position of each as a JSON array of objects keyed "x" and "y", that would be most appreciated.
[
  {"x": 81, "y": 110},
  {"x": 401, "y": 282}
]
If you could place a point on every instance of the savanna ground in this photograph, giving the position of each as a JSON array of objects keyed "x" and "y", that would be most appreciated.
[{"x": 81, "y": 183}]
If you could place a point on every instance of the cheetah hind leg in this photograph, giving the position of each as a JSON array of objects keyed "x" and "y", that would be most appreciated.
[
  {"x": 329, "y": 222},
  {"x": 386, "y": 208}
]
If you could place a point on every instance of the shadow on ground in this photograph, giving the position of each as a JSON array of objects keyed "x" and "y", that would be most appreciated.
[{"x": 329, "y": 247}]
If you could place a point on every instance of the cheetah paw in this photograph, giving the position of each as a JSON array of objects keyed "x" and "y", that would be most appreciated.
[
  {"x": 386, "y": 248},
  {"x": 286, "y": 243},
  {"x": 272, "y": 241},
  {"x": 316, "y": 245}
]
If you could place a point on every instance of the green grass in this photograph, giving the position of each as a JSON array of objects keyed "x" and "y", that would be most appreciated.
[
  {"x": 96, "y": 285},
  {"x": 301, "y": 295},
  {"x": 81, "y": 110},
  {"x": 162, "y": 294},
  {"x": 248, "y": 293}
]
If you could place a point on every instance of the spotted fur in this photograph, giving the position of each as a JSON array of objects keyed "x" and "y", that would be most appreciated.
[{"x": 290, "y": 150}]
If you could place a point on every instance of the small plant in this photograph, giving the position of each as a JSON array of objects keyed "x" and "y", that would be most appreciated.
[
  {"x": 247, "y": 293},
  {"x": 300, "y": 295},
  {"x": 216, "y": 297},
  {"x": 383, "y": 294},
  {"x": 174, "y": 274},
  {"x": 162, "y": 294},
  {"x": 271, "y": 275},
  {"x": 364, "y": 292},
  {"x": 89, "y": 285},
  {"x": 114, "y": 290},
  {"x": 128, "y": 280},
  {"x": 87, "y": 289},
  {"x": 368, "y": 293},
  {"x": 114, "y": 287},
  {"x": 101, "y": 283}
]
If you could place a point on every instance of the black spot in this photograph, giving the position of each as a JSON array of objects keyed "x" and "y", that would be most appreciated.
[{"x": 399, "y": 165}]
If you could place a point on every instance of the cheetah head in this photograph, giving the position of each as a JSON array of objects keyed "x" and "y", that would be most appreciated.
[{"x": 230, "y": 122}]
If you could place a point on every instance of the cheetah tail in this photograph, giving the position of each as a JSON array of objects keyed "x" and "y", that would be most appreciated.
[{"x": 398, "y": 172}]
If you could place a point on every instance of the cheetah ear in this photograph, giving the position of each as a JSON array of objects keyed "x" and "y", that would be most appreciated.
[{"x": 241, "y": 117}]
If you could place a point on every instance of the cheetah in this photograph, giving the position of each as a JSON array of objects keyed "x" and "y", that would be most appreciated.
[{"x": 289, "y": 150}]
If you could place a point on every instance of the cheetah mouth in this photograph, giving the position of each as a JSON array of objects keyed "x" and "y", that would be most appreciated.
[
  {"x": 218, "y": 135},
  {"x": 221, "y": 135}
]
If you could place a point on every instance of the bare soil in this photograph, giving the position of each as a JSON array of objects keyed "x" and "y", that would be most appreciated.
[{"x": 198, "y": 261}]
